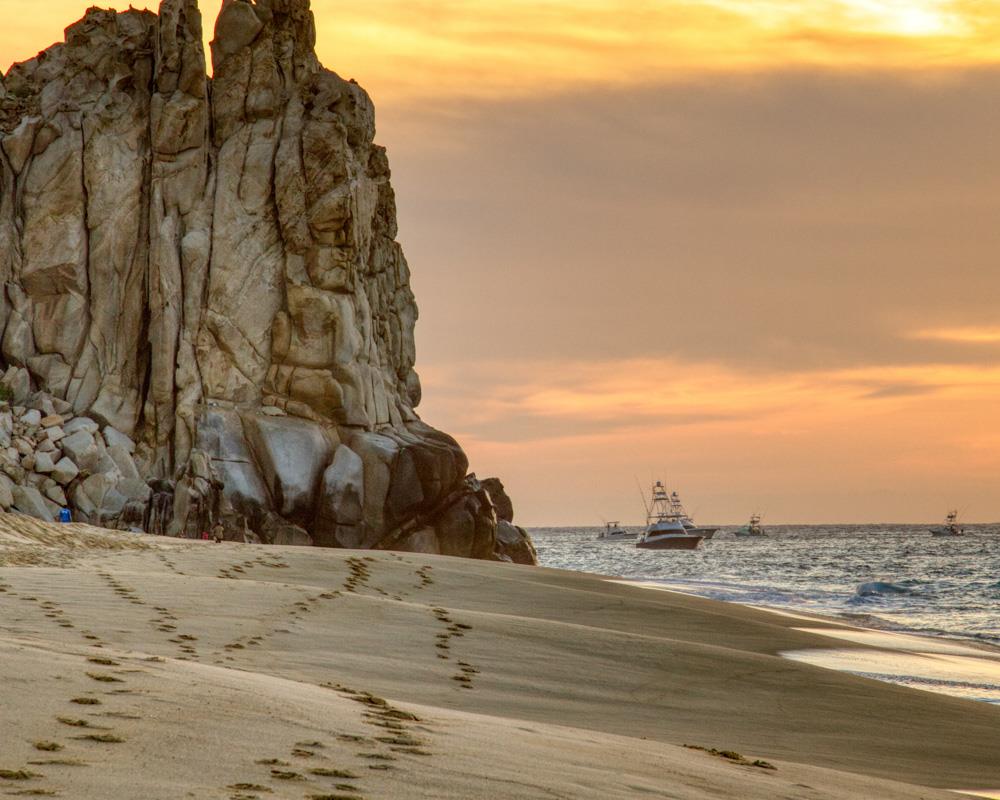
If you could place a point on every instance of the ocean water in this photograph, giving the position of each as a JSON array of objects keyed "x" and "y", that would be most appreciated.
[
  {"x": 891, "y": 578},
  {"x": 915, "y": 583}
]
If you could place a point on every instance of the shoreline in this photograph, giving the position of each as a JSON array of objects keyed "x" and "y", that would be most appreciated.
[
  {"x": 912, "y": 654},
  {"x": 905, "y": 583},
  {"x": 833, "y": 619},
  {"x": 526, "y": 683}
]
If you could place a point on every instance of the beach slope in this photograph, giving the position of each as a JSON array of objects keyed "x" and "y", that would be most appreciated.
[{"x": 133, "y": 666}]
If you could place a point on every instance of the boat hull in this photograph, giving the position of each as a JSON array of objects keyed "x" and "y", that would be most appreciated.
[
  {"x": 624, "y": 537},
  {"x": 947, "y": 534},
  {"x": 671, "y": 543}
]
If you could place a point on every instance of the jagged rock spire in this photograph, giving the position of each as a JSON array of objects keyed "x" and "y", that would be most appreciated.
[{"x": 209, "y": 266}]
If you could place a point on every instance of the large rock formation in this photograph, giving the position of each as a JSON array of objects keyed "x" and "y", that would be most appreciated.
[{"x": 207, "y": 268}]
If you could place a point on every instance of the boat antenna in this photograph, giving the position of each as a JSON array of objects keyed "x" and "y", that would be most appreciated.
[{"x": 642, "y": 495}]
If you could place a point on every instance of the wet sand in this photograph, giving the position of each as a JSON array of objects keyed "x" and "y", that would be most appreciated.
[{"x": 140, "y": 667}]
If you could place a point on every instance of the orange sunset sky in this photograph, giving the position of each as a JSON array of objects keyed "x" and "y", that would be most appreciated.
[{"x": 749, "y": 246}]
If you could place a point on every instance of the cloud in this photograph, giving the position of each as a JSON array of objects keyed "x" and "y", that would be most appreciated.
[
  {"x": 891, "y": 390},
  {"x": 714, "y": 281},
  {"x": 402, "y": 49},
  {"x": 966, "y": 335},
  {"x": 870, "y": 443},
  {"x": 540, "y": 401},
  {"x": 794, "y": 220},
  {"x": 477, "y": 48},
  {"x": 530, "y": 429}
]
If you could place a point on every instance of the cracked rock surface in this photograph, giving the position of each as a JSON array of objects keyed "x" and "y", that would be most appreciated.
[{"x": 205, "y": 270}]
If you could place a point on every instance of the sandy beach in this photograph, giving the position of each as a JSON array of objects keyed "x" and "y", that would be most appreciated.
[{"x": 140, "y": 667}]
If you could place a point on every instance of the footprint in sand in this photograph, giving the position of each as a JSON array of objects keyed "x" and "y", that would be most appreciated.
[
  {"x": 424, "y": 573},
  {"x": 74, "y": 722},
  {"x": 58, "y": 762},
  {"x": 455, "y": 630},
  {"x": 18, "y": 775},
  {"x": 103, "y": 738},
  {"x": 340, "y": 774},
  {"x": 286, "y": 775},
  {"x": 377, "y": 756},
  {"x": 335, "y": 796},
  {"x": 104, "y": 678},
  {"x": 86, "y": 701}
]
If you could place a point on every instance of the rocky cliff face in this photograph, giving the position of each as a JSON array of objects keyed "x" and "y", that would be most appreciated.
[{"x": 209, "y": 269}]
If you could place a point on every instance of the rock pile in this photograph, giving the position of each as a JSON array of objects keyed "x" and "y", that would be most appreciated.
[
  {"x": 201, "y": 277},
  {"x": 51, "y": 460}
]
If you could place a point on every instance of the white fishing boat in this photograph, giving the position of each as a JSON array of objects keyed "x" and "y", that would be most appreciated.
[
  {"x": 613, "y": 532},
  {"x": 677, "y": 512},
  {"x": 950, "y": 527},
  {"x": 753, "y": 528},
  {"x": 664, "y": 528}
]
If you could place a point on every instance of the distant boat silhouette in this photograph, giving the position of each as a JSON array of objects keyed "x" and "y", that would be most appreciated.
[
  {"x": 753, "y": 528},
  {"x": 613, "y": 532},
  {"x": 950, "y": 527}
]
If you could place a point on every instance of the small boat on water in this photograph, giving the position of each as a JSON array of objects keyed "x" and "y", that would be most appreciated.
[
  {"x": 950, "y": 527},
  {"x": 613, "y": 532},
  {"x": 664, "y": 528},
  {"x": 753, "y": 528}
]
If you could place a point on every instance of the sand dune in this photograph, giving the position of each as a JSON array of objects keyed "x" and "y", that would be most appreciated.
[{"x": 136, "y": 667}]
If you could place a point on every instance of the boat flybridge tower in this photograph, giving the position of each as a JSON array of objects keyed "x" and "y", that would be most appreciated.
[
  {"x": 661, "y": 507},
  {"x": 677, "y": 507}
]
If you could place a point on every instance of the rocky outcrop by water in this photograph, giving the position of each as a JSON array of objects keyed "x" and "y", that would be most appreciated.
[{"x": 203, "y": 275}]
